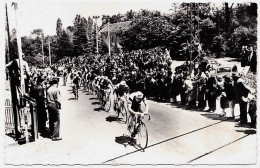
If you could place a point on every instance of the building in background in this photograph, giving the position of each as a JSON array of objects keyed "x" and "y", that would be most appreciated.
[{"x": 115, "y": 31}]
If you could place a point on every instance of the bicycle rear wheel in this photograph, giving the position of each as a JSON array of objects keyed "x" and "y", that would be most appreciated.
[{"x": 142, "y": 135}]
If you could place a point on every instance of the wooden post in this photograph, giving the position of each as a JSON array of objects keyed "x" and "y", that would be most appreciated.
[
  {"x": 42, "y": 51},
  {"x": 34, "y": 120},
  {"x": 109, "y": 50},
  {"x": 19, "y": 43},
  {"x": 96, "y": 17},
  {"x": 190, "y": 47},
  {"x": 8, "y": 57},
  {"x": 50, "y": 51},
  {"x": 12, "y": 85}
]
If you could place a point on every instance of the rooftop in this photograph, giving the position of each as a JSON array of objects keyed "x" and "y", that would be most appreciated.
[{"x": 115, "y": 26}]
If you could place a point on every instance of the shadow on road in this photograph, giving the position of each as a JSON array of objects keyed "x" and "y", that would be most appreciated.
[
  {"x": 98, "y": 109},
  {"x": 185, "y": 107},
  {"x": 126, "y": 141},
  {"x": 214, "y": 116},
  {"x": 112, "y": 118},
  {"x": 247, "y": 132},
  {"x": 94, "y": 103},
  {"x": 11, "y": 135},
  {"x": 93, "y": 98},
  {"x": 72, "y": 98},
  {"x": 244, "y": 125}
]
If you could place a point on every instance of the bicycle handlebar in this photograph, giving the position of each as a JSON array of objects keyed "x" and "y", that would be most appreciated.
[{"x": 144, "y": 114}]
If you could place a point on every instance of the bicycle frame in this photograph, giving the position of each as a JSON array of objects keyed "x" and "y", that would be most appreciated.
[{"x": 136, "y": 126}]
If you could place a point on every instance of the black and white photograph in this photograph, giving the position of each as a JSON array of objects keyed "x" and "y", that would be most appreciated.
[{"x": 129, "y": 83}]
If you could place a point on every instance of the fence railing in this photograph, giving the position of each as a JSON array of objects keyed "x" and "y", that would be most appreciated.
[
  {"x": 9, "y": 117},
  {"x": 27, "y": 121}
]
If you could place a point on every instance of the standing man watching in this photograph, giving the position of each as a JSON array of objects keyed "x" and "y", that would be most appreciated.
[
  {"x": 241, "y": 94},
  {"x": 53, "y": 105},
  {"x": 14, "y": 68}
]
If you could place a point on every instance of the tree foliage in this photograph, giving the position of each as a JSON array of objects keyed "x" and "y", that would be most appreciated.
[{"x": 223, "y": 30}]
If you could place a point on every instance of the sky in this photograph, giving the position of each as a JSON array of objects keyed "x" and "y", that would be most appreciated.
[{"x": 43, "y": 14}]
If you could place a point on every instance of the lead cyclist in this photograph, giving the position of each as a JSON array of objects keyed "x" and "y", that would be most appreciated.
[{"x": 134, "y": 107}]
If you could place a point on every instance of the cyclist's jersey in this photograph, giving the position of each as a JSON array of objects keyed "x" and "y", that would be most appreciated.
[
  {"x": 64, "y": 74},
  {"x": 88, "y": 76},
  {"x": 92, "y": 76},
  {"x": 121, "y": 89},
  {"x": 114, "y": 80},
  {"x": 76, "y": 80},
  {"x": 100, "y": 80},
  {"x": 104, "y": 84},
  {"x": 136, "y": 106},
  {"x": 96, "y": 80}
]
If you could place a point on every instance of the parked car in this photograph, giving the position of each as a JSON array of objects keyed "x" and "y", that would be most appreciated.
[
  {"x": 213, "y": 64},
  {"x": 225, "y": 70}
]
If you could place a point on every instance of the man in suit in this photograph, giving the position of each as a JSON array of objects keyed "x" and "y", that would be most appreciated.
[
  {"x": 211, "y": 92},
  {"x": 241, "y": 93}
]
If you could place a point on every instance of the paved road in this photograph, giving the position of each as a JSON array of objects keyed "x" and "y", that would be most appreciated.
[{"x": 176, "y": 136}]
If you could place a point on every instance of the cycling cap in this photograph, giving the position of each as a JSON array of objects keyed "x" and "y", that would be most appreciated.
[
  {"x": 123, "y": 82},
  {"x": 139, "y": 95}
]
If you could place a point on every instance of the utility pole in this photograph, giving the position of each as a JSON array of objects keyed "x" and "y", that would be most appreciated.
[
  {"x": 109, "y": 50},
  {"x": 194, "y": 43},
  {"x": 8, "y": 56},
  {"x": 42, "y": 50},
  {"x": 96, "y": 17},
  {"x": 50, "y": 51},
  {"x": 19, "y": 43}
]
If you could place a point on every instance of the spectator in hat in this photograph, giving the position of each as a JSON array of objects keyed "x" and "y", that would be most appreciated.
[
  {"x": 53, "y": 105},
  {"x": 241, "y": 93},
  {"x": 37, "y": 92},
  {"x": 211, "y": 90}
]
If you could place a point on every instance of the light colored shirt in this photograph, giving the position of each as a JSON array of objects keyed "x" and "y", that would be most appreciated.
[{"x": 53, "y": 94}]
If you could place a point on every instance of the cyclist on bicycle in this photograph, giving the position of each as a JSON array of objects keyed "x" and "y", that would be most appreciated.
[
  {"x": 121, "y": 89},
  {"x": 134, "y": 106},
  {"x": 104, "y": 87},
  {"x": 76, "y": 82}
]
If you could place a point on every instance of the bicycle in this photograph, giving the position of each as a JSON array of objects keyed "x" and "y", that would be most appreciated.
[
  {"x": 106, "y": 100},
  {"x": 120, "y": 109},
  {"x": 138, "y": 127},
  {"x": 75, "y": 89}
]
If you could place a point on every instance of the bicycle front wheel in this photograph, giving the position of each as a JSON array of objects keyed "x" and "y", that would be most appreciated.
[
  {"x": 123, "y": 114},
  {"x": 130, "y": 124},
  {"x": 142, "y": 135},
  {"x": 107, "y": 104}
]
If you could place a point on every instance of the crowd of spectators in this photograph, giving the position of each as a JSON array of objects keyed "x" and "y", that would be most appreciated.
[{"x": 151, "y": 72}]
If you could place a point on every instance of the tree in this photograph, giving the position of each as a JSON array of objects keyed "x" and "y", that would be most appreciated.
[
  {"x": 149, "y": 31},
  {"x": 80, "y": 36},
  {"x": 63, "y": 41},
  {"x": 59, "y": 28},
  {"x": 65, "y": 47},
  {"x": 90, "y": 36}
]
